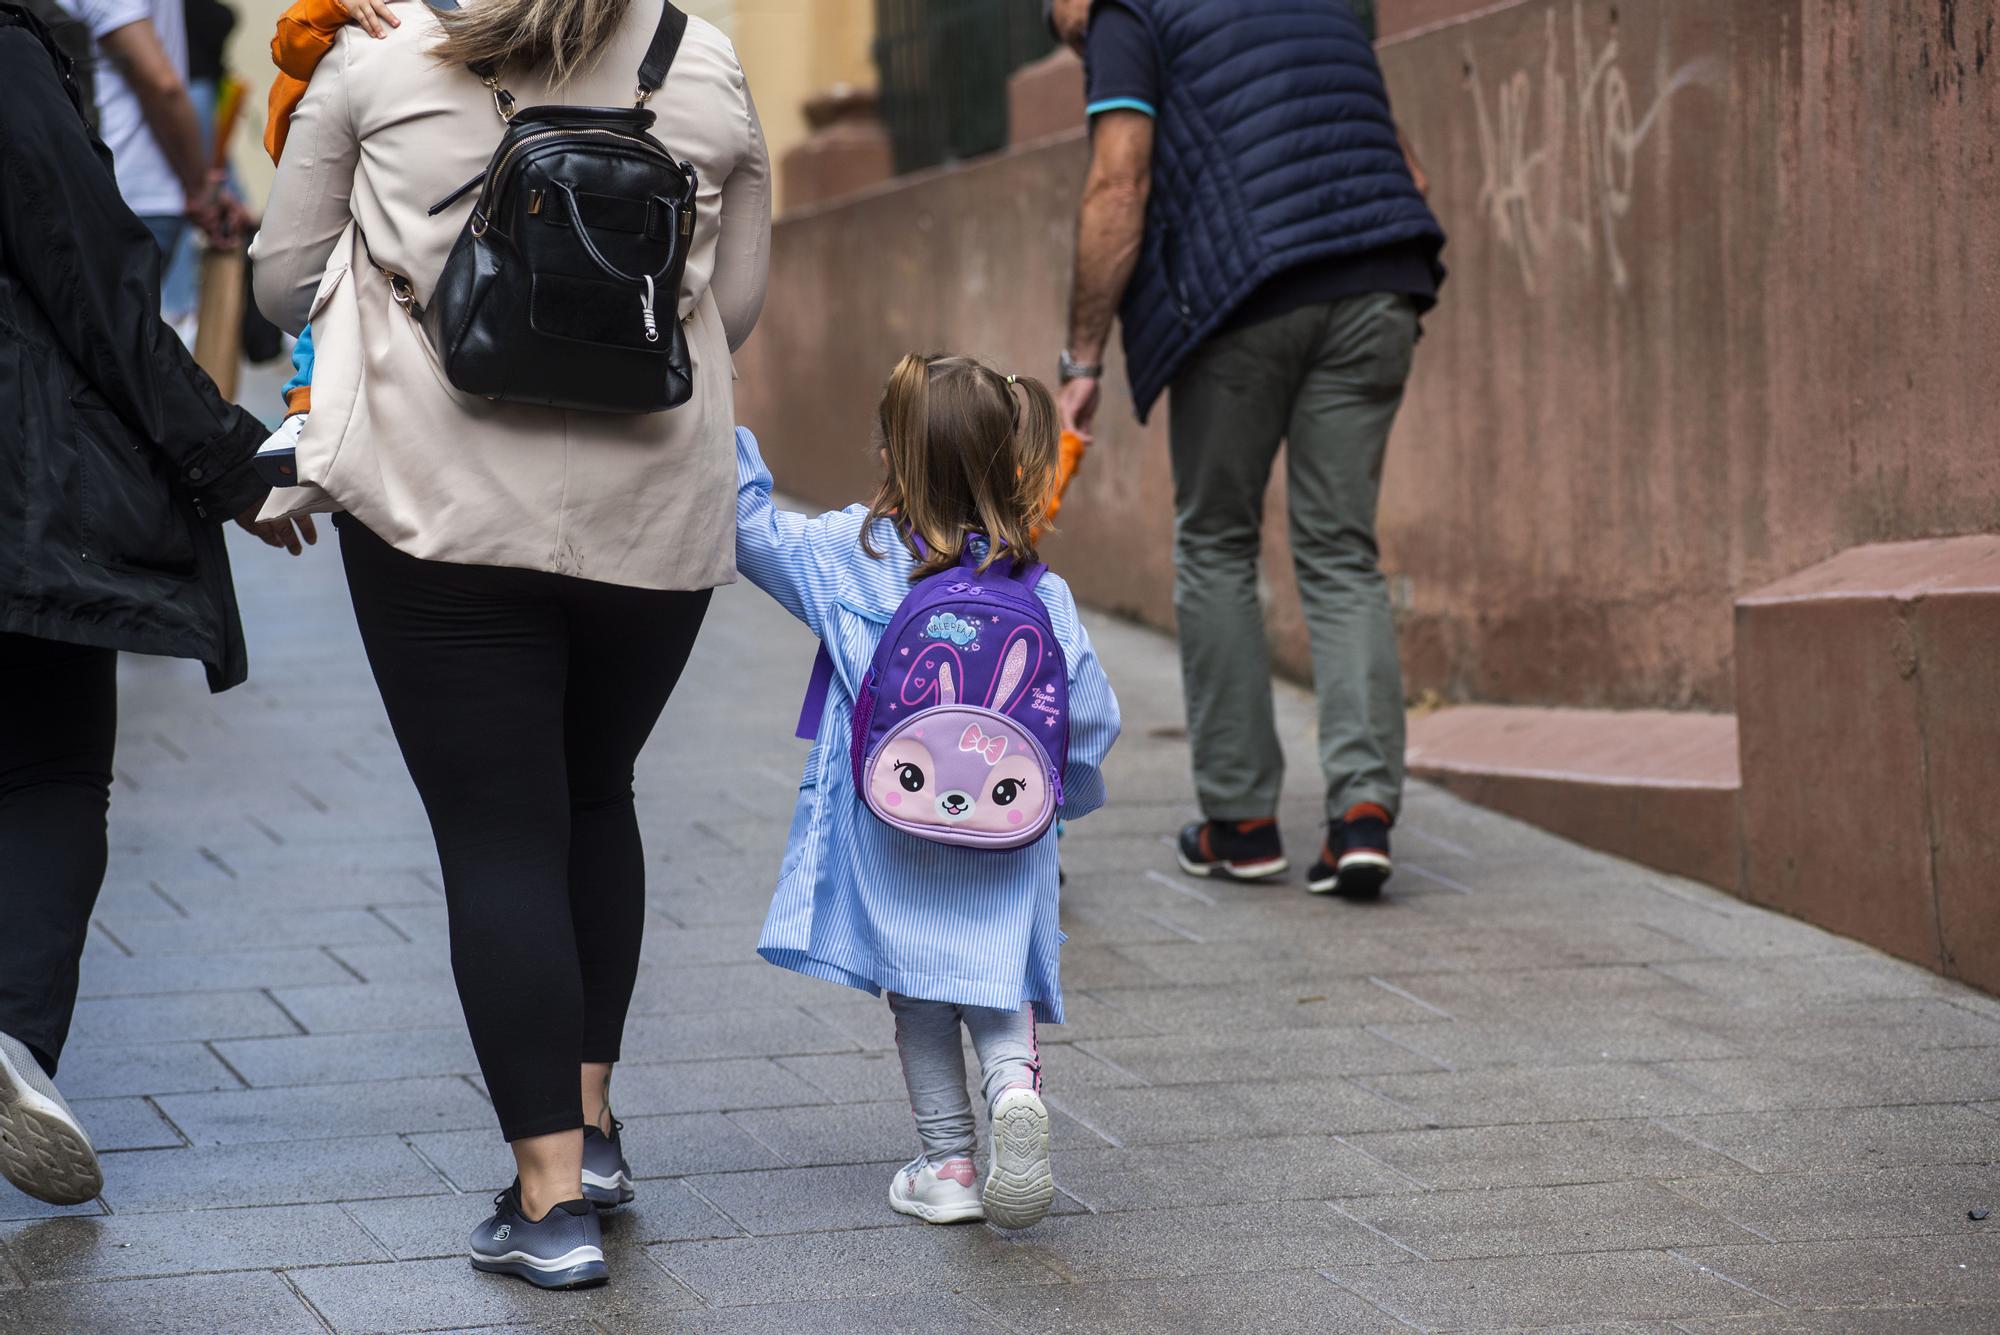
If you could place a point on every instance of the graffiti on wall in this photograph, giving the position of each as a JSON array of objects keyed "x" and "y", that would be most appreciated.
[{"x": 1559, "y": 153}]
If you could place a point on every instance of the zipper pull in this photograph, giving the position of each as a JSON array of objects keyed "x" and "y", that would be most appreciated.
[{"x": 646, "y": 313}]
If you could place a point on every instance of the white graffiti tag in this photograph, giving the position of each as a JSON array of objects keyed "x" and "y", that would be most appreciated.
[{"x": 1569, "y": 177}]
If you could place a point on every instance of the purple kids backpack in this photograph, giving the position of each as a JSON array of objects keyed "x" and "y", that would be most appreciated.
[{"x": 961, "y": 729}]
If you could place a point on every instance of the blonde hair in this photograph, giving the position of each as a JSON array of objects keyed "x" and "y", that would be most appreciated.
[
  {"x": 967, "y": 454},
  {"x": 559, "y": 36}
]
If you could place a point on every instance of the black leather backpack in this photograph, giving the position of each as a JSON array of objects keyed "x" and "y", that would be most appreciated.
[{"x": 563, "y": 291}]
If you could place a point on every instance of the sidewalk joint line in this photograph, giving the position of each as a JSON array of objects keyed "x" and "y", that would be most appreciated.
[
  {"x": 1411, "y": 997},
  {"x": 1390, "y": 1312},
  {"x": 1687, "y": 1260},
  {"x": 1456, "y": 850},
  {"x": 1409, "y": 1048},
  {"x": 1171, "y": 926},
  {"x": 1439, "y": 877},
  {"x": 171, "y": 902},
  {"x": 1393, "y": 1241},
  {"x": 1379, "y": 1161},
  {"x": 1178, "y": 888},
  {"x": 1084, "y": 1122}
]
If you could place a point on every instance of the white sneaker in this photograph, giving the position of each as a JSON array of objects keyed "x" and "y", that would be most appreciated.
[
  {"x": 936, "y": 1193},
  {"x": 43, "y": 1150},
  {"x": 1019, "y": 1186}
]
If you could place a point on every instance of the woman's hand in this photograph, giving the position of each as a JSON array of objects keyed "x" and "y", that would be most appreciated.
[
  {"x": 371, "y": 15},
  {"x": 280, "y": 532}
]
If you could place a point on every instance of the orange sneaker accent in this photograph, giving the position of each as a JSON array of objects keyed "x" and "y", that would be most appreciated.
[
  {"x": 1245, "y": 826},
  {"x": 1207, "y": 853},
  {"x": 1361, "y": 810}
]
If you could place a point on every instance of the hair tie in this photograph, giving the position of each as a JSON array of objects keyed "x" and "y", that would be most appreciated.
[{"x": 1013, "y": 380}]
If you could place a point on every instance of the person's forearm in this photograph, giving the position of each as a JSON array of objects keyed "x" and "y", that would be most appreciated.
[
  {"x": 1109, "y": 227},
  {"x": 169, "y": 113}
]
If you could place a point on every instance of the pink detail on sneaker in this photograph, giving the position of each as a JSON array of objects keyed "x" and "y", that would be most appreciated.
[{"x": 960, "y": 1171}]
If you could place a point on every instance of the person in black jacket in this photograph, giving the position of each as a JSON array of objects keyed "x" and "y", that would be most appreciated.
[{"x": 118, "y": 463}]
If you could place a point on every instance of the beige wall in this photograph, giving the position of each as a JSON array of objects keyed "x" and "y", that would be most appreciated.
[{"x": 791, "y": 49}]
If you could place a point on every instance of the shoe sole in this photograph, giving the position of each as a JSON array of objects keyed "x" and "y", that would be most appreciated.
[
  {"x": 1019, "y": 1186},
  {"x": 1235, "y": 871},
  {"x": 608, "y": 1193},
  {"x": 1360, "y": 878},
  {"x": 43, "y": 1150},
  {"x": 579, "y": 1269},
  {"x": 931, "y": 1214}
]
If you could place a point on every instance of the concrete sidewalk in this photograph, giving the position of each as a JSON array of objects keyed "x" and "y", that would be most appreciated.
[{"x": 1537, "y": 1088}]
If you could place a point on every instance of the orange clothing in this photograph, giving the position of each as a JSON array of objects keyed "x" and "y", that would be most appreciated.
[
  {"x": 305, "y": 34},
  {"x": 1067, "y": 462}
]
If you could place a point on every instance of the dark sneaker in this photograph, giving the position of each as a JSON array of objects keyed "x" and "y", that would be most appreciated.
[
  {"x": 1355, "y": 862},
  {"x": 561, "y": 1250},
  {"x": 607, "y": 1178},
  {"x": 1240, "y": 850},
  {"x": 43, "y": 1149}
]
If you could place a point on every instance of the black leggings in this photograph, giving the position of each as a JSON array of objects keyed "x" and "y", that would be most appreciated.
[
  {"x": 58, "y": 719},
  {"x": 520, "y": 699}
]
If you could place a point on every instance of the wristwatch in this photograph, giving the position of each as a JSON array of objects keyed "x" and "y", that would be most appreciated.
[{"x": 1069, "y": 368}]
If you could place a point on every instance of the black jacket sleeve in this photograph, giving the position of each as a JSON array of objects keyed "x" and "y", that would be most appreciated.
[{"x": 94, "y": 270}]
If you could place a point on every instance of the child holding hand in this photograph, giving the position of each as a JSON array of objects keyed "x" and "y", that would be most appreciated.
[{"x": 922, "y": 862}]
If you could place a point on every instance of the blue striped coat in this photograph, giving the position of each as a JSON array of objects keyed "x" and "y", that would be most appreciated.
[{"x": 858, "y": 902}]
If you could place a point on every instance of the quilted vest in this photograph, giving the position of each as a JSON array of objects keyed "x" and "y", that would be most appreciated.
[{"x": 1273, "y": 148}]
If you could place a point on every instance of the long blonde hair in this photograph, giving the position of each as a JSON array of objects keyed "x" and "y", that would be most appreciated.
[
  {"x": 966, "y": 455},
  {"x": 559, "y": 36}
]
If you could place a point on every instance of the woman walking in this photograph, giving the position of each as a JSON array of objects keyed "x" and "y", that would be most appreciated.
[
  {"x": 118, "y": 465},
  {"x": 528, "y": 582}
]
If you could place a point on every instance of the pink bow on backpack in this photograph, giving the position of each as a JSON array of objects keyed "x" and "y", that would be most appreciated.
[{"x": 991, "y": 747}]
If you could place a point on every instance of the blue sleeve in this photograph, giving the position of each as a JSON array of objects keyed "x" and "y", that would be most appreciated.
[
  {"x": 1093, "y": 727},
  {"x": 800, "y": 560},
  {"x": 1121, "y": 63},
  {"x": 302, "y": 365}
]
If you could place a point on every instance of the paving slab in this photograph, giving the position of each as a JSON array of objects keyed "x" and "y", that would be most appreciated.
[
  {"x": 1803, "y": 1140},
  {"x": 1871, "y": 1272},
  {"x": 854, "y": 1264},
  {"x": 298, "y": 1172},
  {"x": 867, "y": 1132},
  {"x": 1888, "y": 1203},
  {"x": 1532, "y": 1221},
  {"x": 326, "y": 1112},
  {"x": 65, "y": 1251},
  {"x": 115, "y": 975},
  {"x": 1283, "y": 1304},
  {"x": 181, "y": 1305},
  {"x": 126, "y": 1124},
  {"x": 1542, "y": 1155},
  {"x": 1528, "y": 1291},
  {"x": 1220, "y": 1173},
  {"x": 183, "y": 1015},
  {"x": 671, "y": 1146},
  {"x": 447, "y": 1294}
]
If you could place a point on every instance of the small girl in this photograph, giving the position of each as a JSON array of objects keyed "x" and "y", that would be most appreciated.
[{"x": 954, "y": 935}]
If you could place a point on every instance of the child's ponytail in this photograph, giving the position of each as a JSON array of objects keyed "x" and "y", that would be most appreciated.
[{"x": 968, "y": 451}]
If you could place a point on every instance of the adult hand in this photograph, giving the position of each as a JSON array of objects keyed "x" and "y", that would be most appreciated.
[
  {"x": 371, "y": 15},
  {"x": 219, "y": 215},
  {"x": 279, "y": 532},
  {"x": 1076, "y": 405}
]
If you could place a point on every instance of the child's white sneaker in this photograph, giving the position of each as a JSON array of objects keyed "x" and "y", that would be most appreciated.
[
  {"x": 1019, "y": 1186},
  {"x": 936, "y": 1193}
]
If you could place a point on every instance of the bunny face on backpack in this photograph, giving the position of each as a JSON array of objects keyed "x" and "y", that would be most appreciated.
[
  {"x": 954, "y": 768},
  {"x": 961, "y": 728}
]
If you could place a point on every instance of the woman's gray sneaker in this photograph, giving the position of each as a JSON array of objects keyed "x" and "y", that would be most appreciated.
[
  {"x": 43, "y": 1149},
  {"x": 607, "y": 1178},
  {"x": 562, "y": 1250}
]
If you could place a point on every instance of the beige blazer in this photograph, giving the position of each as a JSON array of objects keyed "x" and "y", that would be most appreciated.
[{"x": 382, "y": 134}]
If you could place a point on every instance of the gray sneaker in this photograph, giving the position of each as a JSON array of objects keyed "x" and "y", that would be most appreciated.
[
  {"x": 607, "y": 1178},
  {"x": 43, "y": 1149},
  {"x": 561, "y": 1250}
]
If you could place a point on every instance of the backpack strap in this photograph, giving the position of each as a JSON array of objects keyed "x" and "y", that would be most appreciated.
[
  {"x": 1030, "y": 576},
  {"x": 660, "y": 55},
  {"x": 814, "y": 707}
]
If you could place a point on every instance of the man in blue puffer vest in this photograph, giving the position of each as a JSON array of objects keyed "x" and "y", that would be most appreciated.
[{"x": 1255, "y": 221}]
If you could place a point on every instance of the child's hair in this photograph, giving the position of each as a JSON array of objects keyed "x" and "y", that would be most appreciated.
[{"x": 966, "y": 455}]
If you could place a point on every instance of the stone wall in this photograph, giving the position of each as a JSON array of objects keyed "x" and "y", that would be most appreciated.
[{"x": 1722, "y": 276}]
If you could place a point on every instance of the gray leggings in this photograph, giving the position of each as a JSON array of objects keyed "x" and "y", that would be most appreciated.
[{"x": 934, "y": 1065}]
